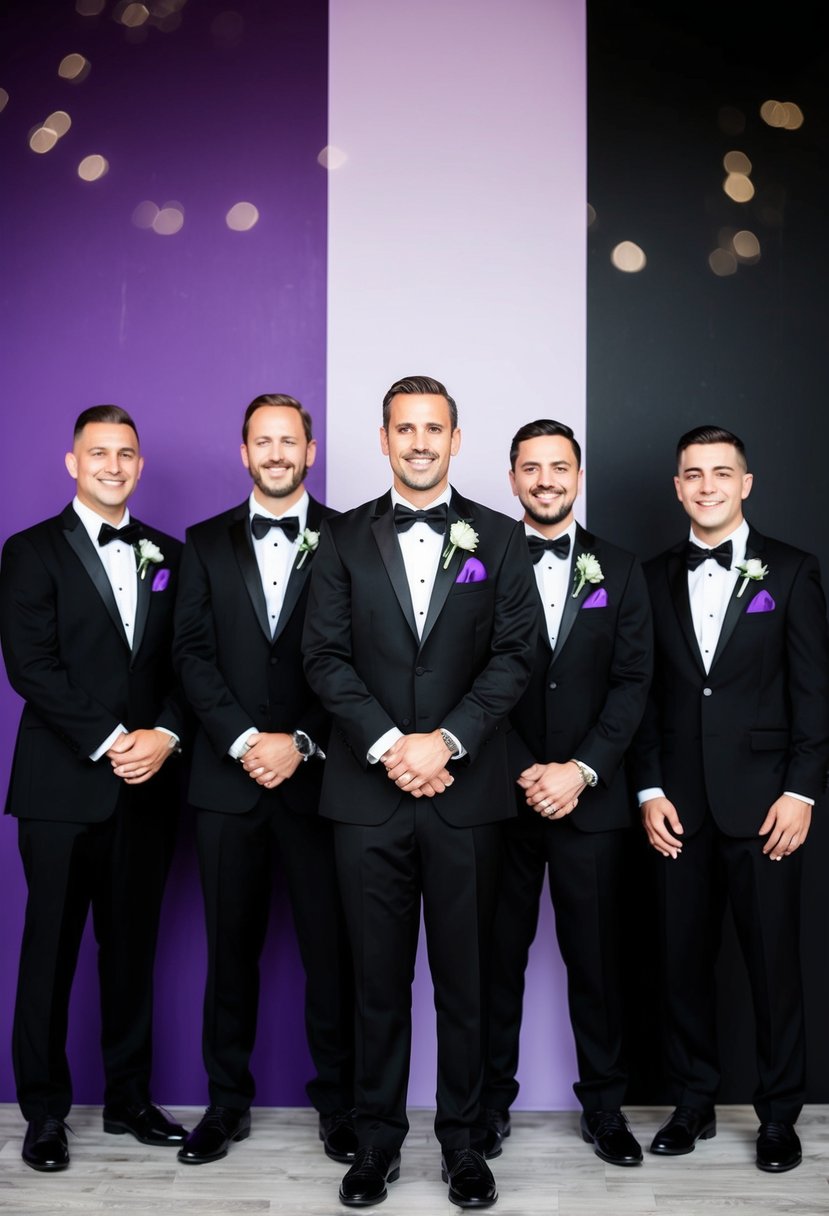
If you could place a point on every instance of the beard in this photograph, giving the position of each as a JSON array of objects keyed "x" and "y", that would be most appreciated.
[
  {"x": 271, "y": 491},
  {"x": 546, "y": 516},
  {"x": 425, "y": 480}
]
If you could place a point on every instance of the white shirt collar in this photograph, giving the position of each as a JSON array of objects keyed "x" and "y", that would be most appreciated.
[
  {"x": 405, "y": 502},
  {"x": 738, "y": 538},
  {"x": 300, "y": 509},
  {"x": 92, "y": 521}
]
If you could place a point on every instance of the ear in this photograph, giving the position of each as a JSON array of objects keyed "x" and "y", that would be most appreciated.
[
  {"x": 71, "y": 465},
  {"x": 456, "y": 441},
  {"x": 748, "y": 482},
  {"x": 677, "y": 488},
  {"x": 512, "y": 483},
  {"x": 244, "y": 454},
  {"x": 310, "y": 453},
  {"x": 384, "y": 441}
]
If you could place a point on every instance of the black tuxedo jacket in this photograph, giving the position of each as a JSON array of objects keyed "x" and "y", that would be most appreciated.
[
  {"x": 587, "y": 699},
  {"x": 364, "y": 658},
  {"x": 67, "y": 655},
  {"x": 233, "y": 673},
  {"x": 757, "y": 724}
]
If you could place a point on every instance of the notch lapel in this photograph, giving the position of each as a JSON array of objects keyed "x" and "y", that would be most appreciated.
[
  {"x": 677, "y": 572},
  {"x": 385, "y": 536},
  {"x": 299, "y": 574},
  {"x": 243, "y": 548},
  {"x": 459, "y": 509},
  {"x": 582, "y": 543},
  {"x": 78, "y": 537},
  {"x": 737, "y": 606}
]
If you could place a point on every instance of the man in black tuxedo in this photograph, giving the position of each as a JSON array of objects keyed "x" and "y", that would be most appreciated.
[
  {"x": 730, "y": 758},
  {"x": 418, "y": 639},
  {"x": 256, "y": 776},
  {"x": 571, "y": 729},
  {"x": 86, "y": 614}
]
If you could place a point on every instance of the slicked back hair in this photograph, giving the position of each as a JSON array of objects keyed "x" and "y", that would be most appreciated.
[
  {"x": 535, "y": 430},
  {"x": 280, "y": 399},
  {"x": 420, "y": 385}
]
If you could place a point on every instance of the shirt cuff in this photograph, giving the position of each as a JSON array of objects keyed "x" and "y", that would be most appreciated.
[
  {"x": 383, "y": 744},
  {"x": 590, "y": 770},
  {"x": 239, "y": 746},
  {"x": 799, "y": 797},
  {"x": 108, "y": 742},
  {"x": 655, "y": 791},
  {"x": 175, "y": 746},
  {"x": 461, "y": 749}
]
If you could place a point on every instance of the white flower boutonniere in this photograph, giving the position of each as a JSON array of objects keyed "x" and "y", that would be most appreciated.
[
  {"x": 753, "y": 571},
  {"x": 307, "y": 544},
  {"x": 461, "y": 536},
  {"x": 588, "y": 570},
  {"x": 147, "y": 554}
]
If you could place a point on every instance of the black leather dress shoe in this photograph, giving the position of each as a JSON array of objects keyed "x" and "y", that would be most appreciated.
[
  {"x": 365, "y": 1182},
  {"x": 338, "y": 1136},
  {"x": 497, "y": 1127},
  {"x": 609, "y": 1133},
  {"x": 778, "y": 1148},
  {"x": 44, "y": 1145},
  {"x": 210, "y": 1138},
  {"x": 680, "y": 1132},
  {"x": 149, "y": 1124},
  {"x": 471, "y": 1184}
]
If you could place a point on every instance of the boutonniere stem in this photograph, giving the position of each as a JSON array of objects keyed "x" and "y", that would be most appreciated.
[{"x": 307, "y": 544}]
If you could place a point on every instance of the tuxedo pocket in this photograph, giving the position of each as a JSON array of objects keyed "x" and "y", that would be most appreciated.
[
  {"x": 768, "y": 740},
  {"x": 596, "y": 599}
]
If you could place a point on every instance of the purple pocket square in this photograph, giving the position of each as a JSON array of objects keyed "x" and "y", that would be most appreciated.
[
  {"x": 162, "y": 578},
  {"x": 762, "y": 602},
  {"x": 472, "y": 571},
  {"x": 596, "y": 599}
]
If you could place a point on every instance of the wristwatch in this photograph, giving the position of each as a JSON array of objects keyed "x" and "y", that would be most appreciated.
[
  {"x": 452, "y": 744},
  {"x": 303, "y": 744},
  {"x": 589, "y": 779}
]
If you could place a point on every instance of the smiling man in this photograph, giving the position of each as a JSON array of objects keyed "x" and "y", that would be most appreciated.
[
  {"x": 86, "y": 614},
  {"x": 571, "y": 728},
  {"x": 418, "y": 641},
  {"x": 730, "y": 758},
  {"x": 256, "y": 776}
]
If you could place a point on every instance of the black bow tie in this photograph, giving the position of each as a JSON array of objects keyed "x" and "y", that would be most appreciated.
[
  {"x": 260, "y": 525},
  {"x": 695, "y": 556},
  {"x": 538, "y": 547},
  {"x": 129, "y": 534},
  {"x": 435, "y": 517}
]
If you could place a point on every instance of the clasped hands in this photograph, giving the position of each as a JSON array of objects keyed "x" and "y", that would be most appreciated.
[
  {"x": 417, "y": 764},
  {"x": 552, "y": 790},
  {"x": 786, "y": 826},
  {"x": 271, "y": 758},
  {"x": 137, "y": 755}
]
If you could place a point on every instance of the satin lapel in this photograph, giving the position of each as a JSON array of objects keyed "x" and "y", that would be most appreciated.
[
  {"x": 677, "y": 572},
  {"x": 737, "y": 606},
  {"x": 385, "y": 535},
  {"x": 142, "y": 605},
  {"x": 459, "y": 508},
  {"x": 584, "y": 542},
  {"x": 299, "y": 574},
  {"x": 243, "y": 548},
  {"x": 78, "y": 537}
]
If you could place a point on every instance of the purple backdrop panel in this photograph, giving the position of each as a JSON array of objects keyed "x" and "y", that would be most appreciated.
[{"x": 182, "y": 323}]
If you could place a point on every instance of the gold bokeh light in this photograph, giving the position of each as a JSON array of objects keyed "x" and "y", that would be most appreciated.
[
  {"x": 74, "y": 67},
  {"x": 93, "y": 167},
  {"x": 59, "y": 122},
  {"x": 736, "y": 162},
  {"x": 332, "y": 157},
  {"x": 738, "y": 187},
  {"x": 241, "y": 217},
  {"x": 144, "y": 214},
  {"x": 42, "y": 139},
  {"x": 4, "y": 99},
  {"x": 591, "y": 216},
  {"x": 131, "y": 15},
  {"x": 89, "y": 8},
  {"x": 170, "y": 219},
  {"x": 746, "y": 246},
  {"x": 722, "y": 262},
  {"x": 775, "y": 113},
  {"x": 629, "y": 257}
]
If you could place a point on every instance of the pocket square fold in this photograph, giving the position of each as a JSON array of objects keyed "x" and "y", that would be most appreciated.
[
  {"x": 472, "y": 571},
  {"x": 762, "y": 602},
  {"x": 596, "y": 599},
  {"x": 162, "y": 578}
]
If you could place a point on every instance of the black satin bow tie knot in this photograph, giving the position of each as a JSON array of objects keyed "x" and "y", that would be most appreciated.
[
  {"x": 560, "y": 546},
  {"x": 435, "y": 517},
  {"x": 130, "y": 534},
  {"x": 260, "y": 525},
  {"x": 695, "y": 555}
]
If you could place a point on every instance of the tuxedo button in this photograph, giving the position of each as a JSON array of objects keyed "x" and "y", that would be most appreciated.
[
  {"x": 273, "y": 662},
  {"x": 706, "y": 692},
  {"x": 406, "y": 722},
  {"x": 419, "y": 671},
  {"x": 554, "y": 686}
]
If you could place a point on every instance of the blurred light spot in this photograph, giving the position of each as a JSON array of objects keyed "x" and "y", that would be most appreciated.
[
  {"x": 74, "y": 67},
  {"x": 738, "y": 187},
  {"x": 629, "y": 257},
  {"x": 4, "y": 99},
  {"x": 131, "y": 15},
  {"x": 93, "y": 167},
  {"x": 332, "y": 157},
  {"x": 59, "y": 122},
  {"x": 169, "y": 219},
  {"x": 722, "y": 262},
  {"x": 775, "y": 113},
  {"x": 228, "y": 29},
  {"x": 42, "y": 139},
  {"x": 731, "y": 120},
  {"x": 746, "y": 246},
  {"x": 736, "y": 162},
  {"x": 794, "y": 116},
  {"x": 89, "y": 8},
  {"x": 166, "y": 8},
  {"x": 144, "y": 214},
  {"x": 241, "y": 217},
  {"x": 591, "y": 215}
]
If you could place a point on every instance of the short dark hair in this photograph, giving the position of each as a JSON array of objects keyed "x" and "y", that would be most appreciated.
[
  {"x": 420, "y": 385},
  {"x": 103, "y": 413},
  {"x": 711, "y": 434},
  {"x": 543, "y": 426},
  {"x": 278, "y": 399}
]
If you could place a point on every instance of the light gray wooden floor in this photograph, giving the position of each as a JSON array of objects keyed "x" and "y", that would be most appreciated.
[{"x": 545, "y": 1170}]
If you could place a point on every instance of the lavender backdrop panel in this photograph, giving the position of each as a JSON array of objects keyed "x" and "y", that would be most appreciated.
[{"x": 182, "y": 324}]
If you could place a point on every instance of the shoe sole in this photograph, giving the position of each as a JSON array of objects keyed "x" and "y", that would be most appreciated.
[
  {"x": 367, "y": 1203},
  {"x": 707, "y": 1133},
  {"x": 588, "y": 1139},
  {"x": 51, "y": 1168},
  {"x": 455, "y": 1198},
  {"x": 779, "y": 1169},
  {"x": 205, "y": 1160}
]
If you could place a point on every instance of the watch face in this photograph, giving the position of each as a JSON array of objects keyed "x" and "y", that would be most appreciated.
[{"x": 303, "y": 744}]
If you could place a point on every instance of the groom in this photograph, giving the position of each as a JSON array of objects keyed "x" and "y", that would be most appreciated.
[{"x": 418, "y": 640}]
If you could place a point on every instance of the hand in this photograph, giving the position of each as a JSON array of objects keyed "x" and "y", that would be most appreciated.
[
  {"x": 271, "y": 759},
  {"x": 415, "y": 761},
  {"x": 139, "y": 755},
  {"x": 658, "y": 816},
  {"x": 788, "y": 824},
  {"x": 436, "y": 786},
  {"x": 552, "y": 789}
]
